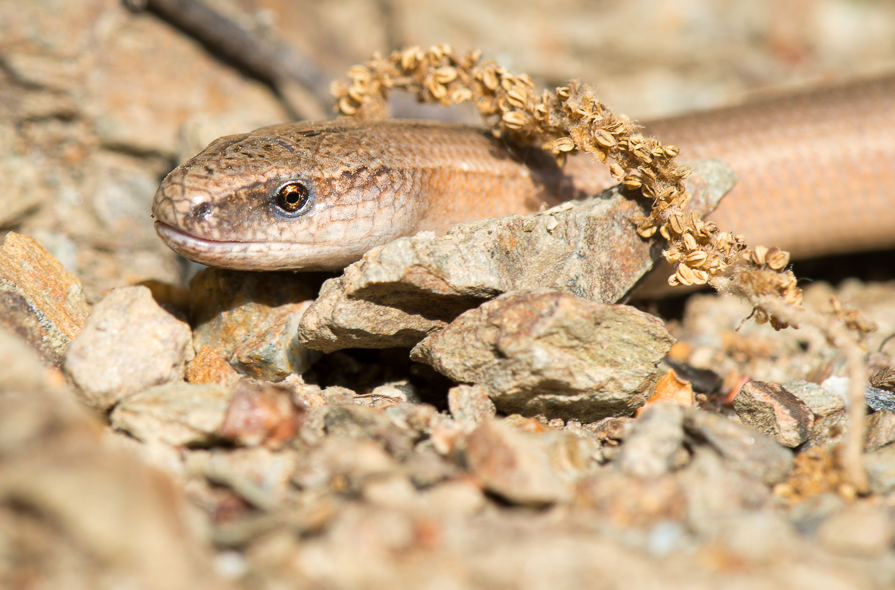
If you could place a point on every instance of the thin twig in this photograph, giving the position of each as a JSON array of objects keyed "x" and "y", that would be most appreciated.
[{"x": 270, "y": 61}]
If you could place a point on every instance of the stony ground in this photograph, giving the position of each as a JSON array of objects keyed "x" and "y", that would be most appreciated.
[{"x": 160, "y": 429}]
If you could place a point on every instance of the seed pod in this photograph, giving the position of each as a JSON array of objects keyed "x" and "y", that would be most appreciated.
[
  {"x": 446, "y": 74},
  {"x": 604, "y": 138},
  {"x": 514, "y": 120},
  {"x": 563, "y": 144},
  {"x": 777, "y": 259}
]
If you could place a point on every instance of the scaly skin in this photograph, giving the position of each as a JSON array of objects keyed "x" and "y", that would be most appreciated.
[{"x": 816, "y": 177}]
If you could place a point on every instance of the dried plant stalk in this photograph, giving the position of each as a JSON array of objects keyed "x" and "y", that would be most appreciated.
[{"x": 572, "y": 119}]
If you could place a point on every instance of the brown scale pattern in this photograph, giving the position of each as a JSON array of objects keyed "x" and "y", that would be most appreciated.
[{"x": 816, "y": 177}]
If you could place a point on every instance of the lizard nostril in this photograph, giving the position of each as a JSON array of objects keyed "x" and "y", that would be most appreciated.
[{"x": 201, "y": 211}]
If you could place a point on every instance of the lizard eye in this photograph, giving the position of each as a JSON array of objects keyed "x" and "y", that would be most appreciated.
[{"x": 292, "y": 197}]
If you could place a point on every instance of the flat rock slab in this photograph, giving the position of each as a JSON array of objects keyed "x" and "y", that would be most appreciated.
[
  {"x": 402, "y": 291},
  {"x": 551, "y": 353},
  {"x": 128, "y": 344},
  {"x": 40, "y": 300}
]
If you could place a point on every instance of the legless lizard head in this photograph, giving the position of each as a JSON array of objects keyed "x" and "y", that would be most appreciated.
[{"x": 312, "y": 196}]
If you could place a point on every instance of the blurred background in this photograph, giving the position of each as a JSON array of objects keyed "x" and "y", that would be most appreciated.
[{"x": 98, "y": 100}]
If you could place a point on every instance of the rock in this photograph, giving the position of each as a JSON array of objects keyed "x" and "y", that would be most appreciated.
[
  {"x": 128, "y": 344},
  {"x": 860, "y": 529},
  {"x": 261, "y": 413},
  {"x": 715, "y": 489},
  {"x": 23, "y": 191},
  {"x": 40, "y": 301},
  {"x": 775, "y": 412},
  {"x": 21, "y": 368},
  {"x": 343, "y": 464},
  {"x": 632, "y": 501},
  {"x": 612, "y": 430},
  {"x": 258, "y": 475},
  {"x": 880, "y": 467},
  {"x": 272, "y": 351},
  {"x": 820, "y": 401},
  {"x": 370, "y": 424},
  {"x": 181, "y": 414},
  {"x": 426, "y": 468},
  {"x": 879, "y": 430},
  {"x": 251, "y": 319},
  {"x": 82, "y": 514},
  {"x": 525, "y": 468},
  {"x": 551, "y": 353},
  {"x": 402, "y": 291},
  {"x": 209, "y": 367},
  {"x": 827, "y": 432},
  {"x": 470, "y": 403},
  {"x": 742, "y": 448},
  {"x": 880, "y": 399},
  {"x": 656, "y": 443},
  {"x": 336, "y": 321},
  {"x": 227, "y": 306},
  {"x": 454, "y": 498}
]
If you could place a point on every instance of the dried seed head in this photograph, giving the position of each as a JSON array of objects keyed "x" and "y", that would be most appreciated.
[
  {"x": 461, "y": 95},
  {"x": 490, "y": 79},
  {"x": 646, "y": 232},
  {"x": 563, "y": 144},
  {"x": 347, "y": 106},
  {"x": 777, "y": 259},
  {"x": 360, "y": 74},
  {"x": 696, "y": 259},
  {"x": 604, "y": 138},
  {"x": 445, "y": 75},
  {"x": 438, "y": 91},
  {"x": 517, "y": 97},
  {"x": 632, "y": 182},
  {"x": 685, "y": 275},
  {"x": 410, "y": 57},
  {"x": 514, "y": 120}
]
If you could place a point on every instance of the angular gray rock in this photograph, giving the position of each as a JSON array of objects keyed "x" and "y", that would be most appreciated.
[
  {"x": 402, "y": 291},
  {"x": 551, "y": 353},
  {"x": 742, "y": 448},
  {"x": 775, "y": 412},
  {"x": 820, "y": 401},
  {"x": 128, "y": 345}
]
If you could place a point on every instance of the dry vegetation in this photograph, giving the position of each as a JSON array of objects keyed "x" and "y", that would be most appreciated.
[{"x": 571, "y": 118}]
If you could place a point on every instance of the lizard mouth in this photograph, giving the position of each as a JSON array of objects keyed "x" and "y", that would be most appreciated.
[
  {"x": 202, "y": 250},
  {"x": 250, "y": 255}
]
